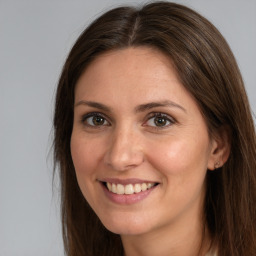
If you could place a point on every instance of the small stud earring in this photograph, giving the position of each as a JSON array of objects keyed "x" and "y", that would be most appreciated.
[{"x": 216, "y": 165}]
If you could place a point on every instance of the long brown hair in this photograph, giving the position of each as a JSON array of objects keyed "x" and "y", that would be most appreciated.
[{"x": 208, "y": 70}]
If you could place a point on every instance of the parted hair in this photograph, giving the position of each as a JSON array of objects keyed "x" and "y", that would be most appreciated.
[{"x": 209, "y": 72}]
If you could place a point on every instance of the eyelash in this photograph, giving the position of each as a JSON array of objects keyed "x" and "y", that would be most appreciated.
[
  {"x": 166, "y": 117},
  {"x": 152, "y": 115},
  {"x": 85, "y": 118}
]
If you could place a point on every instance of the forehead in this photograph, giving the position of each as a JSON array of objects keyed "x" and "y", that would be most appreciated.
[
  {"x": 140, "y": 67},
  {"x": 133, "y": 55}
]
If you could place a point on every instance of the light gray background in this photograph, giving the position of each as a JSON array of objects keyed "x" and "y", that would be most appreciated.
[{"x": 35, "y": 37}]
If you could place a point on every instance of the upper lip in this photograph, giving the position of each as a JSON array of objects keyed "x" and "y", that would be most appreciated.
[{"x": 126, "y": 181}]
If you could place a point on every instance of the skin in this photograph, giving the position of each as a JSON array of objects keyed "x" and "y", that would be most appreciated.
[{"x": 129, "y": 145}]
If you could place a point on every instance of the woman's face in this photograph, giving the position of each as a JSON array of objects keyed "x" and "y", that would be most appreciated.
[{"x": 140, "y": 145}]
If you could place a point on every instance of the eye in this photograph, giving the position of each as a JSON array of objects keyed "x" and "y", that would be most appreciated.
[
  {"x": 94, "y": 120},
  {"x": 160, "y": 120}
]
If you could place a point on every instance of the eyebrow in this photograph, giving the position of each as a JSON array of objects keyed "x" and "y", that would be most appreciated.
[
  {"x": 139, "y": 108},
  {"x": 166, "y": 103},
  {"x": 94, "y": 105}
]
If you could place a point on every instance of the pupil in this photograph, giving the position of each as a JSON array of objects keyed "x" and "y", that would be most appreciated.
[
  {"x": 160, "y": 121},
  {"x": 97, "y": 120}
]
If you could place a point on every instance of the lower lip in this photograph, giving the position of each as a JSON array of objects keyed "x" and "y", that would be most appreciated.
[{"x": 127, "y": 199}]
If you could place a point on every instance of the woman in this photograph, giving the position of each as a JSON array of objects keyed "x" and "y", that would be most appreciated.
[{"x": 154, "y": 139}]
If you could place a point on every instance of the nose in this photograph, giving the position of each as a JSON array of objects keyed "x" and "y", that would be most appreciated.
[{"x": 125, "y": 150}]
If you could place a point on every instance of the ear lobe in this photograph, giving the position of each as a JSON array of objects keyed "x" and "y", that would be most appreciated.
[{"x": 220, "y": 148}]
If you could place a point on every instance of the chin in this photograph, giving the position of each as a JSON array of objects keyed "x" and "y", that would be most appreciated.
[{"x": 127, "y": 226}]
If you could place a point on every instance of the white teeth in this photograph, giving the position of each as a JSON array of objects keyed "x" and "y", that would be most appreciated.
[
  {"x": 113, "y": 188},
  {"x": 137, "y": 188},
  {"x": 144, "y": 187},
  {"x": 120, "y": 189},
  {"x": 128, "y": 189},
  {"x": 109, "y": 186}
]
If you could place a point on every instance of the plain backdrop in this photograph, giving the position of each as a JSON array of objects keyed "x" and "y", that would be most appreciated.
[{"x": 35, "y": 37}]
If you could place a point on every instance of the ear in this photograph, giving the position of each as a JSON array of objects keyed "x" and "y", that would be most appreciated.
[{"x": 220, "y": 148}]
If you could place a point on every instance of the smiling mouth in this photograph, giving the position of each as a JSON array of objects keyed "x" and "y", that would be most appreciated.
[{"x": 129, "y": 189}]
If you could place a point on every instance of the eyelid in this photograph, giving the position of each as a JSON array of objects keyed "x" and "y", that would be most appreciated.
[
  {"x": 171, "y": 119},
  {"x": 151, "y": 115},
  {"x": 91, "y": 114}
]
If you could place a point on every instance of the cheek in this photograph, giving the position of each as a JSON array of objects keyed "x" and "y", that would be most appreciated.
[
  {"x": 85, "y": 158},
  {"x": 181, "y": 156},
  {"x": 85, "y": 155}
]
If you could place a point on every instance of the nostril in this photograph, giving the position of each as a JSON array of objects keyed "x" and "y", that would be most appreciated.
[{"x": 123, "y": 154}]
